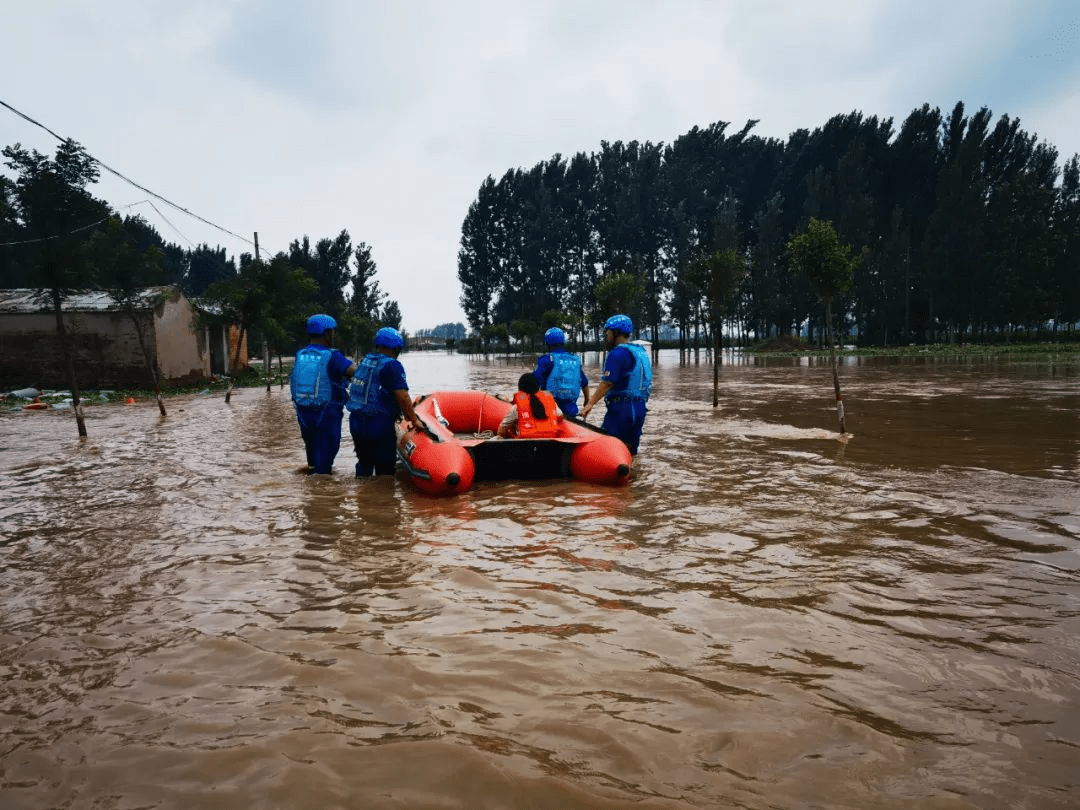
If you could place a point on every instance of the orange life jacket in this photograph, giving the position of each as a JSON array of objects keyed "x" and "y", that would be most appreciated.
[{"x": 528, "y": 426}]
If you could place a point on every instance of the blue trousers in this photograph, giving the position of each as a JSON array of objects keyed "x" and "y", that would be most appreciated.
[
  {"x": 625, "y": 418},
  {"x": 567, "y": 406},
  {"x": 320, "y": 428},
  {"x": 375, "y": 443}
]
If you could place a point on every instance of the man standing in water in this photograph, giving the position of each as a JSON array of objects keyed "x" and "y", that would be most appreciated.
[
  {"x": 560, "y": 372},
  {"x": 317, "y": 384},
  {"x": 626, "y": 383},
  {"x": 378, "y": 396}
]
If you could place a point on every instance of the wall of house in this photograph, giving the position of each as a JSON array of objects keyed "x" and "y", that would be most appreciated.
[
  {"x": 180, "y": 355},
  {"x": 106, "y": 350}
]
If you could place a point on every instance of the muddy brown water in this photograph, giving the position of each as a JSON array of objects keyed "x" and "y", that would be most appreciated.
[{"x": 767, "y": 617}]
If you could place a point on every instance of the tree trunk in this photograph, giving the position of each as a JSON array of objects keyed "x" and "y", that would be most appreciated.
[
  {"x": 717, "y": 359},
  {"x": 69, "y": 364},
  {"x": 151, "y": 366},
  {"x": 236, "y": 360},
  {"x": 835, "y": 374}
]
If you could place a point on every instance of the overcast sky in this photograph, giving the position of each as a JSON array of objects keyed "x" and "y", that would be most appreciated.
[{"x": 383, "y": 117}]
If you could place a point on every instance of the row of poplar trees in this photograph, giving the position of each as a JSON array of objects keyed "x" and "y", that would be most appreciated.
[
  {"x": 58, "y": 239},
  {"x": 961, "y": 227}
]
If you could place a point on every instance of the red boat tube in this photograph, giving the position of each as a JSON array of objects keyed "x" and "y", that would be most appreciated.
[{"x": 458, "y": 446}]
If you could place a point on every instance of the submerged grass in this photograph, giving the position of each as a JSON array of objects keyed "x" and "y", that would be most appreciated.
[{"x": 252, "y": 378}]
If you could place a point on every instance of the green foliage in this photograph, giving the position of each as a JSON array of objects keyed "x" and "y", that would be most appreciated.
[
  {"x": 366, "y": 299},
  {"x": 269, "y": 296},
  {"x": 391, "y": 315},
  {"x": 206, "y": 266},
  {"x": 957, "y": 219},
  {"x": 718, "y": 277},
  {"x": 328, "y": 264},
  {"x": 496, "y": 334},
  {"x": 618, "y": 293},
  {"x": 53, "y": 211},
  {"x": 818, "y": 256},
  {"x": 523, "y": 331}
]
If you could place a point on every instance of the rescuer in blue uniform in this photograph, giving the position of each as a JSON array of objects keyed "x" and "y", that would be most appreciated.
[
  {"x": 317, "y": 385},
  {"x": 378, "y": 396},
  {"x": 626, "y": 384},
  {"x": 560, "y": 372}
]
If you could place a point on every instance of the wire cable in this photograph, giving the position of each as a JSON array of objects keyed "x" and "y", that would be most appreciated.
[{"x": 111, "y": 170}]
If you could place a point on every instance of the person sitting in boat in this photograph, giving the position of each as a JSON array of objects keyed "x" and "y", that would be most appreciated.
[
  {"x": 560, "y": 372},
  {"x": 534, "y": 415}
]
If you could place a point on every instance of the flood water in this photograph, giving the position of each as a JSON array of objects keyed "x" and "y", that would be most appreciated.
[{"x": 767, "y": 617}]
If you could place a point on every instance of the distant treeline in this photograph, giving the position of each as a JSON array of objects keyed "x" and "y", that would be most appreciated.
[
  {"x": 964, "y": 227},
  {"x": 444, "y": 331}
]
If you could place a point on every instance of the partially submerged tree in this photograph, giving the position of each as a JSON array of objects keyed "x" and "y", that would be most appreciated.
[
  {"x": 49, "y": 199},
  {"x": 127, "y": 273},
  {"x": 829, "y": 266},
  {"x": 719, "y": 275}
]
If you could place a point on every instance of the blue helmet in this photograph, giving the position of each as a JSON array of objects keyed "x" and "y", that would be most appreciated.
[
  {"x": 389, "y": 337},
  {"x": 554, "y": 336},
  {"x": 317, "y": 324},
  {"x": 619, "y": 323}
]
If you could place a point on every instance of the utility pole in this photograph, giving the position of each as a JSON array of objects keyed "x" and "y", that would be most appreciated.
[{"x": 266, "y": 345}]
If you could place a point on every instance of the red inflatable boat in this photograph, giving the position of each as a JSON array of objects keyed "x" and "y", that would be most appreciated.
[{"x": 458, "y": 446}]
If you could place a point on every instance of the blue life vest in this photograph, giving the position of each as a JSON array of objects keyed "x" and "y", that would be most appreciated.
[
  {"x": 366, "y": 393},
  {"x": 309, "y": 382},
  {"x": 564, "y": 381},
  {"x": 639, "y": 386}
]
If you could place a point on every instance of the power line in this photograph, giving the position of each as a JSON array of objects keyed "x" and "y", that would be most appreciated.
[
  {"x": 111, "y": 170},
  {"x": 56, "y": 236},
  {"x": 82, "y": 228},
  {"x": 169, "y": 223}
]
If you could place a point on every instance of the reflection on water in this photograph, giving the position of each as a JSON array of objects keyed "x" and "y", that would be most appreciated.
[{"x": 768, "y": 617}]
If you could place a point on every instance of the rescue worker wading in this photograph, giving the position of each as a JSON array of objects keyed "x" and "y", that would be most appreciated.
[
  {"x": 626, "y": 384},
  {"x": 378, "y": 396},
  {"x": 317, "y": 385},
  {"x": 560, "y": 372}
]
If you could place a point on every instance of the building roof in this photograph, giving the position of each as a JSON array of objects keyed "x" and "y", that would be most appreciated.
[{"x": 29, "y": 301}]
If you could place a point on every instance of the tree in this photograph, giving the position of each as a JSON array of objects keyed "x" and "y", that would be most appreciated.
[
  {"x": 366, "y": 299},
  {"x": 818, "y": 256},
  {"x": 391, "y": 315},
  {"x": 480, "y": 256},
  {"x": 207, "y": 265},
  {"x": 53, "y": 207},
  {"x": 618, "y": 293},
  {"x": 328, "y": 264},
  {"x": 267, "y": 296},
  {"x": 720, "y": 275},
  {"x": 938, "y": 214},
  {"x": 126, "y": 272},
  {"x": 1067, "y": 227},
  {"x": 363, "y": 311},
  {"x": 288, "y": 292}
]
